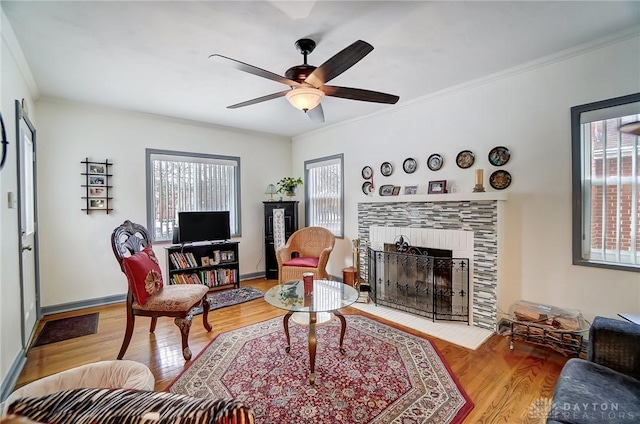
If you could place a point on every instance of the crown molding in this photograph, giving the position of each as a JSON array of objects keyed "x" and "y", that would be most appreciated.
[{"x": 10, "y": 40}]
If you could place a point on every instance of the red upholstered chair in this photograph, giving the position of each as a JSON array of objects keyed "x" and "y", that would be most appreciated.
[
  {"x": 147, "y": 296},
  {"x": 307, "y": 250}
]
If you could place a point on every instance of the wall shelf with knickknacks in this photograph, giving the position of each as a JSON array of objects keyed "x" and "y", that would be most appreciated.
[{"x": 96, "y": 185}]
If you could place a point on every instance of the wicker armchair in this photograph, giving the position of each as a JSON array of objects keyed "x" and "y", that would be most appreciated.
[
  {"x": 605, "y": 388},
  {"x": 307, "y": 250}
]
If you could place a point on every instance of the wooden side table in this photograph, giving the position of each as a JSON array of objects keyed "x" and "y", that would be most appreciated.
[{"x": 349, "y": 276}]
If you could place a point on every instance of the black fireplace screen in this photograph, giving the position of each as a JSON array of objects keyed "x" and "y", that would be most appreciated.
[{"x": 415, "y": 282}]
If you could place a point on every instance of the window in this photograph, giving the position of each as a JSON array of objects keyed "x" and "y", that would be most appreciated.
[
  {"x": 324, "y": 193},
  {"x": 606, "y": 189},
  {"x": 186, "y": 182}
]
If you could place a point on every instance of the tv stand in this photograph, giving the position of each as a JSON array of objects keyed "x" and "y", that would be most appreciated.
[{"x": 214, "y": 264}]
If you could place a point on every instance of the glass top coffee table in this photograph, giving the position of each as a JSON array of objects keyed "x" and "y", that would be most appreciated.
[{"x": 317, "y": 307}]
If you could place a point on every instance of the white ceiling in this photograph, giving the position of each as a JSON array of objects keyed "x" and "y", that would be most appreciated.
[{"x": 153, "y": 56}]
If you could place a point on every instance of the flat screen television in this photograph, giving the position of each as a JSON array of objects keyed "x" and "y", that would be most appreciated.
[{"x": 203, "y": 226}]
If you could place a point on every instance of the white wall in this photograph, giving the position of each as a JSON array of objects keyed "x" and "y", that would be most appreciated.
[
  {"x": 14, "y": 84},
  {"x": 528, "y": 112},
  {"x": 77, "y": 262}
]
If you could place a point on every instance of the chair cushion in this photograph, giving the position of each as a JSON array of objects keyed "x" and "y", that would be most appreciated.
[
  {"x": 144, "y": 274},
  {"x": 174, "y": 297},
  {"x": 114, "y": 374},
  {"x": 101, "y": 406},
  {"x": 587, "y": 392},
  {"x": 303, "y": 262},
  {"x": 120, "y": 374}
]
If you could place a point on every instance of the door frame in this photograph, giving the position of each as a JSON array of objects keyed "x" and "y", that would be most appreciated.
[{"x": 22, "y": 118}]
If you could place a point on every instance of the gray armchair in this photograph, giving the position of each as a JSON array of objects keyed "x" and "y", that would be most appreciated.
[{"x": 605, "y": 388}]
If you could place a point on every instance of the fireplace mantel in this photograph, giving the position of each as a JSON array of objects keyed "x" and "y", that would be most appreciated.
[{"x": 450, "y": 197}]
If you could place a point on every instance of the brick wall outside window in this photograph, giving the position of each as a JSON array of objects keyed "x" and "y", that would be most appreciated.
[{"x": 619, "y": 161}]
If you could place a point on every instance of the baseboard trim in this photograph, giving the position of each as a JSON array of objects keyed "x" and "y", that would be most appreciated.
[
  {"x": 252, "y": 276},
  {"x": 10, "y": 380},
  {"x": 82, "y": 304},
  {"x": 101, "y": 301}
]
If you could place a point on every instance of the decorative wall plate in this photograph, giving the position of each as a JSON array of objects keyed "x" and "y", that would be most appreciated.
[
  {"x": 4, "y": 143},
  {"x": 410, "y": 165},
  {"x": 465, "y": 159},
  {"x": 367, "y": 188},
  {"x": 499, "y": 155},
  {"x": 386, "y": 190},
  {"x": 435, "y": 162},
  {"x": 367, "y": 172},
  {"x": 386, "y": 169},
  {"x": 500, "y": 180}
]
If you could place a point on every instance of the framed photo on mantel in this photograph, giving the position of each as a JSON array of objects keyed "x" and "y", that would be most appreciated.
[
  {"x": 437, "y": 187},
  {"x": 410, "y": 189}
]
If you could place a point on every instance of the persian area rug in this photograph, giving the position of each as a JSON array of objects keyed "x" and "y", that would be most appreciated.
[
  {"x": 385, "y": 376},
  {"x": 67, "y": 328},
  {"x": 232, "y": 297}
]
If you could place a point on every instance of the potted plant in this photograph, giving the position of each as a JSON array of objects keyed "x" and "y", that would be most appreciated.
[{"x": 288, "y": 185}]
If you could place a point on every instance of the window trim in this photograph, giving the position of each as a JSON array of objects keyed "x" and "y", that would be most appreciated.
[
  {"x": 576, "y": 176},
  {"x": 149, "y": 192},
  {"x": 307, "y": 218}
]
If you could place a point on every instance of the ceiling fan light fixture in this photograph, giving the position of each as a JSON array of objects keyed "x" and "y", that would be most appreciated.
[
  {"x": 305, "y": 98},
  {"x": 631, "y": 128}
]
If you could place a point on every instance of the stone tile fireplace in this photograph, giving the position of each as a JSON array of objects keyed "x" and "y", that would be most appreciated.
[{"x": 470, "y": 228}]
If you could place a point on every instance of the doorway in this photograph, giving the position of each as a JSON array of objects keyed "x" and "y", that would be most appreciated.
[{"x": 27, "y": 224}]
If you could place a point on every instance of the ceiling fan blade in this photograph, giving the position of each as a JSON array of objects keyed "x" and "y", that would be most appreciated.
[
  {"x": 255, "y": 70},
  {"x": 259, "y": 100},
  {"x": 316, "y": 114},
  {"x": 359, "y": 94},
  {"x": 339, "y": 63}
]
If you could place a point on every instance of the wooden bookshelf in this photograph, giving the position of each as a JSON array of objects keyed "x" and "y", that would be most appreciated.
[{"x": 214, "y": 264}]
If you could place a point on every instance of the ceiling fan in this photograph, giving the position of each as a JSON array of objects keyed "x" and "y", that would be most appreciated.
[{"x": 307, "y": 82}]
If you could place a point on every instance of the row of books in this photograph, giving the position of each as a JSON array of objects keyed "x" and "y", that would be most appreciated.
[
  {"x": 183, "y": 260},
  {"x": 210, "y": 278},
  {"x": 188, "y": 260}
]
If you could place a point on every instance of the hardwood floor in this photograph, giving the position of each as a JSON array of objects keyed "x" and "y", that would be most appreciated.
[{"x": 502, "y": 384}]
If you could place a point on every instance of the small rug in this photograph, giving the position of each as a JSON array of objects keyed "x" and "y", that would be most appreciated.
[
  {"x": 67, "y": 328},
  {"x": 386, "y": 375},
  {"x": 231, "y": 297}
]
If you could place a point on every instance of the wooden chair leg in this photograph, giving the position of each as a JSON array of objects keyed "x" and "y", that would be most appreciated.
[
  {"x": 206, "y": 305},
  {"x": 128, "y": 333},
  {"x": 184, "y": 324},
  {"x": 152, "y": 327}
]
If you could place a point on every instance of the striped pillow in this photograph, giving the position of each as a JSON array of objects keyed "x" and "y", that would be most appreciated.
[{"x": 125, "y": 406}]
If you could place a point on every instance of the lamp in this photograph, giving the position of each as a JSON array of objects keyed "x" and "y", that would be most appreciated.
[
  {"x": 631, "y": 128},
  {"x": 305, "y": 98},
  {"x": 271, "y": 190}
]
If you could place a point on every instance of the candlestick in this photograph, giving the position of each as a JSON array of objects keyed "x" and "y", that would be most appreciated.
[{"x": 479, "y": 188}]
